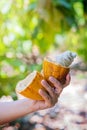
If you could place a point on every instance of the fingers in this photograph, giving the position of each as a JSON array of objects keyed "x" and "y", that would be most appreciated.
[
  {"x": 48, "y": 88},
  {"x": 57, "y": 85},
  {"x": 68, "y": 79},
  {"x": 49, "y": 95},
  {"x": 45, "y": 96}
]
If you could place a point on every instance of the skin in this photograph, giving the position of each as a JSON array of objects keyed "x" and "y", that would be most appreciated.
[{"x": 10, "y": 111}]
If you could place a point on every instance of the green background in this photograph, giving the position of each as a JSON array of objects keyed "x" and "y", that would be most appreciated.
[{"x": 30, "y": 29}]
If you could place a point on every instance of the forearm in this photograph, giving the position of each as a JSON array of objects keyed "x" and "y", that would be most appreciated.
[{"x": 10, "y": 111}]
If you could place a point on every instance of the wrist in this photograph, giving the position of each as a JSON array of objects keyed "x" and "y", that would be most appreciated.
[{"x": 28, "y": 105}]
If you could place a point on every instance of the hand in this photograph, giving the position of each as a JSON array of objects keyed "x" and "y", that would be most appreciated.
[
  {"x": 51, "y": 94},
  {"x": 26, "y": 106}
]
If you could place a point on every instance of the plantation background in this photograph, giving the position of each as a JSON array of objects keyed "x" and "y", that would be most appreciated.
[{"x": 33, "y": 29}]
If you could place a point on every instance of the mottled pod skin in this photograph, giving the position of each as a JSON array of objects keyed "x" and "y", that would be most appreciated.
[
  {"x": 56, "y": 70},
  {"x": 31, "y": 90}
]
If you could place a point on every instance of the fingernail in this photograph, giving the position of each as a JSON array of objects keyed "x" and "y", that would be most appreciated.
[
  {"x": 42, "y": 81},
  {"x": 51, "y": 78}
]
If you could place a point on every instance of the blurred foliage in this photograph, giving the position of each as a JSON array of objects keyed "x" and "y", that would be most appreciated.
[{"x": 31, "y": 28}]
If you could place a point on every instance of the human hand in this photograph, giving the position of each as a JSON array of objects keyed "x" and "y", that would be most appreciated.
[
  {"x": 51, "y": 94},
  {"x": 26, "y": 105}
]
